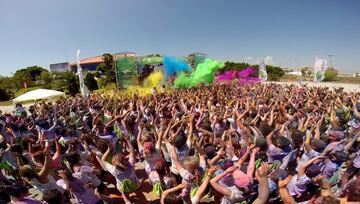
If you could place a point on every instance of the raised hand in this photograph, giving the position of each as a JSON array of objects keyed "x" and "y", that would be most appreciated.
[
  {"x": 213, "y": 169},
  {"x": 285, "y": 182},
  {"x": 263, "y": 171}
]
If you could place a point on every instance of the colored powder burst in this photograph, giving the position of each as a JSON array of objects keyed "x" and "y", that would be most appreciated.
[
  {"x": 244, "y": 76},
  {"x": 153, "y": 80},
  {"x": 245, "y": 73},
  {"x": 204, "y": 73},
  {"x": 173, "y": 66},
  {"x": 226, "y": 76}
]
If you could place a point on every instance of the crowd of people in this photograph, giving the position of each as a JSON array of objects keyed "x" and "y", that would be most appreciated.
[{"x": 220, "y": 143}]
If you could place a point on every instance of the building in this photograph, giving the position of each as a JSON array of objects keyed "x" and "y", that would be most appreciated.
[
  {"x": 60, "y": 67},
  {"x": 90, "y": 63}
]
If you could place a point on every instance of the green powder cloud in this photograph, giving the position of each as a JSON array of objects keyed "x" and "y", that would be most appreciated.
[{"x": 204, "y": 73}]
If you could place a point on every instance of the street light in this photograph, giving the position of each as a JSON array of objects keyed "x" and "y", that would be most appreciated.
[{"x": 330, "y": 60}]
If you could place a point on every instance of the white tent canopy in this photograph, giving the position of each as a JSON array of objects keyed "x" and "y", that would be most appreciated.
[{"x": 38, "y": 94}]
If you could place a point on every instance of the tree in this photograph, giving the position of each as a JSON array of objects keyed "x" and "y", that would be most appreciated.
[
  {"x": 91, "y": 82},
  {"x": 235, "y": 66},
  {"x": 7, "y": 83},
  {"x": 45, "y": 79},
  {"x": 5, "y": 94},
  {"x": 303, "y": 72},
  {"x": 275, "y": 70},
  {"x": 28, "y": 74},
  {"x": 68, "y": 81},
  {"x": 330, "y": 74},
  {"x": 107, "y": 68}
]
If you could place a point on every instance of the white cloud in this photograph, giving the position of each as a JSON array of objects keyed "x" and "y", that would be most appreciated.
[{"x": 268, "y": 60}]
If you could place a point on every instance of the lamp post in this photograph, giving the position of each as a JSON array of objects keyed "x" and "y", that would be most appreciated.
[{"x": 330, "y": 60}]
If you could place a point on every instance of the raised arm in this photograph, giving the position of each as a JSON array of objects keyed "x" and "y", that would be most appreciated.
[
  {"x": 44, "y": 172},
  {"x": 139, "y": 137},
  {"x": 106, "y": 155},
  {"x": 269, "y": 136},
  {"x": 171, "y": 190},
  {"x": 191, "y": 129},
  {"x": 245, "y": 156},
  {"x": 271, "y": 121},
  {"x": 200, "y": 192},
  {"x": 251, "y": 166},
  {"x": 351, "y": 142},
  {"x": 263, "y": 189},
  {"x": 220, "y": 188},
  {"x": 175, "y": 159},
  {"x": 304, "y": 165},
  {"x": 58, "y": 150},
  {"x": 286, "y": 198},
  {"x": 131, "y": 151}
]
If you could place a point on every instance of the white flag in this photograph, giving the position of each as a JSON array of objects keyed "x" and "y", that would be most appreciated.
[
  {"x": 84, "y": 90},
  {"x": 262, "y": 71},
  {"x": 319, "y": 69}
]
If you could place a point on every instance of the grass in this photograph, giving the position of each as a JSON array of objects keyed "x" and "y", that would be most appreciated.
[
  {"x": 348, "y": 80},
  {"x": 289, "y": 77},
  {"x": 6, "y": 103},
  {"x": 22, "y": 90},
  {"x": 18, "y": 93}
]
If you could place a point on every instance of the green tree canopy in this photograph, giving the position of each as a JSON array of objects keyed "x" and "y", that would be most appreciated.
[
  {"x": 107, "y": 68},
  {"x": 66, "y": 81},
  {"x": 28, "y": 74},
  {"x": 330, "y": 74},
  {"x": 91, "y": 82}
]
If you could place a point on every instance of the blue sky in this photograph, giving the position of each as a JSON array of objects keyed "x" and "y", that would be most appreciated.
[{"x": 288, "y": 33}]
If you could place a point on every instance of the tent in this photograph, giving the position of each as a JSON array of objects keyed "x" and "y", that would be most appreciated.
[{"x": 38, "y": 94}]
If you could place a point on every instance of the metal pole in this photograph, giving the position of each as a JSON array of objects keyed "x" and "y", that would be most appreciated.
[{"x": 330, "y": 60}]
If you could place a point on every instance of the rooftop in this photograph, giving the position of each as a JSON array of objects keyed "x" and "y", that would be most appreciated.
[{"x": 99, "y": 59}]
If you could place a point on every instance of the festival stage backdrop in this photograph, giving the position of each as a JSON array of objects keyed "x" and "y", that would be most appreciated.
[{"x": 126, "y": 71}]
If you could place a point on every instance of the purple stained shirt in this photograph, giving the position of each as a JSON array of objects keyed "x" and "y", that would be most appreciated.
[
  {"x": 297, "y": 185},
  {"x": 329, "y": 169},
  {"x": 122, "y": 128},
  {"x": 276, "y": 153},
  {"x": 356, "y": 162}
]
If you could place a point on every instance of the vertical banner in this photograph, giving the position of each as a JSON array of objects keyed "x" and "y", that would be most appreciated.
[
  {"x": 84, "y": 90},
  {"x": 319, "y": 69},
  {"x": 126, "y": 71},
  {"x": 262, "y": 71}
]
